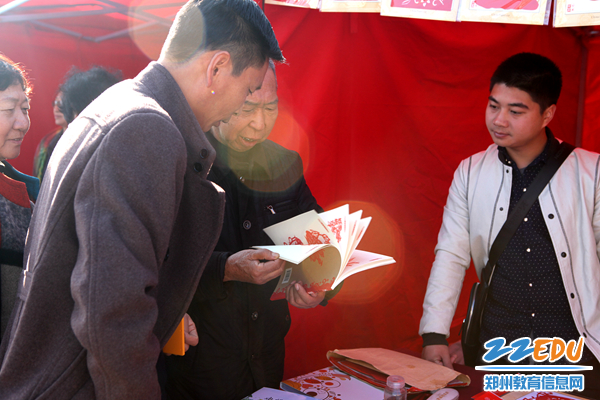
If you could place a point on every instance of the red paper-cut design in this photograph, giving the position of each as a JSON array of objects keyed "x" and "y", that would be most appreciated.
[
  {"x": 531, "y": 5},
  {"x": 294, "y": 240},
  {"x": 439, "y": 5},
  {"x": 322, "y": 385},
  {"x": 486, "y": 396},
  {"x": 550, "y": 396},
  {"x": 336, "y": 228},
  {"x": 278, "y": 294},
  {"x": 302, "y": 3},
  {"x": 321, "y": 287},
  {"x": 314, "y": 237}
]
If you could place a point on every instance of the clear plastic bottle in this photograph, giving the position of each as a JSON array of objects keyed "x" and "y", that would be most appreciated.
[{"x": 395, "y": 389}]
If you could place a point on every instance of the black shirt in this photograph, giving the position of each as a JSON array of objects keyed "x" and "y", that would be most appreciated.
[{"x": 527, "y": 297}]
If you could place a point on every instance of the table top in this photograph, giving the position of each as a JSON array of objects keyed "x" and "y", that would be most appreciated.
[
  {"x": 325, "y": 381},
  {"x": 476, "y": 385}
]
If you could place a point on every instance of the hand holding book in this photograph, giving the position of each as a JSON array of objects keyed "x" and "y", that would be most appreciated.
[
  {"x": 297, "y": 296},
  {"x": 320, "y": 249},
  {"x": 253, "y": 266}
]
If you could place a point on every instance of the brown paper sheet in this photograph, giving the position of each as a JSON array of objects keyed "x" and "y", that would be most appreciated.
[{"x": 416, "y": 372}]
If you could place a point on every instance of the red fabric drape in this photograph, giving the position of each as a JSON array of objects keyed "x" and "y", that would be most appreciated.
[
  {"x": 591, "y": 119},
  {"x": 382, "y": 110},
  {"x": 389, "y": 107}
]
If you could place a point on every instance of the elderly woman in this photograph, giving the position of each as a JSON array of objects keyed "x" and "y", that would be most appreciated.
[{"x": 16, "y": 189}]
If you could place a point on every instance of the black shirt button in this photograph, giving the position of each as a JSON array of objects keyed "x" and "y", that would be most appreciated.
[
  {"x": 572, "y": 295},
  {"x": 198, "y": 167},
  {"x": 254, "y": 316},
  {"x": 584, "y": 335},
  {"x": 563, "y": 254},
  {"x": 203, "y": 153},
  {"x": 247, "y": 225},
  {"x": 551, "y": 216},
  {"x": 501, "y": 208}
]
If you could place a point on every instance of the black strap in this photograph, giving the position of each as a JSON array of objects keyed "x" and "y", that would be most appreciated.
[{"x": 521, "y": 208}]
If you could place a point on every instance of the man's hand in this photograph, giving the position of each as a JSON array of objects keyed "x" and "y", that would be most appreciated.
[
  {"x": 253, "y": 266},
  {"x": 437, "y": 353},
  {"x": 456, "y": 353},
  {"x": 297, "y": 296},
  {"x": 189, "y": 332}
]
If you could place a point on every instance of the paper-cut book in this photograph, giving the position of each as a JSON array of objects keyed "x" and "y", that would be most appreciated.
[
  {"x": 329, "y": 383},
  {"x": 320, "y": 249},
  {"x": 176, "y": 344}
]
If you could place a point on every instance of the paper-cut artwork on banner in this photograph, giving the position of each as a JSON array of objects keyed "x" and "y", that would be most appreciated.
[
  {"x": 441, "y": 10},
  {"x": 576, "y": 12},
  {"x": 369, "y": 6},
  {"x": 530, "y": 5},
  {"x": 314, "y": 4},
  {"x": 527, "y": 12}
]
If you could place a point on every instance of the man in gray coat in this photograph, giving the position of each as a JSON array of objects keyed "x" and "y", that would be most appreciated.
[{"x": 126, "y": 219}]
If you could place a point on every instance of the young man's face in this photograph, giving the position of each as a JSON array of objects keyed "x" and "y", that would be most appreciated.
[{"x": 514, "y": 120}]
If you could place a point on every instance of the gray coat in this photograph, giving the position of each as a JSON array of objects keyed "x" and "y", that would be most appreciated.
[{"x": 124, "y": 225}]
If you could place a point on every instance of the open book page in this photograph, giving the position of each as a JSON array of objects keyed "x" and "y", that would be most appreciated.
[
  {"x": 353, "y": 221},
  {"x": 348, "y": 228},
  {"x": 362, "y": 261},
  {"x": 359, "y": 231},
  {"x": 294, "y": 254},
  {"x": 337, "y": 222},
  {"x": 307, "y": 228},
  {"x": 317, "y": 270},
  {"x": 335, "y": 217}
]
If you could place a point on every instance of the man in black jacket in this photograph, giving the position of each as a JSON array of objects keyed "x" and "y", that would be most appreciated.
[{"x": 241, "y": 332}]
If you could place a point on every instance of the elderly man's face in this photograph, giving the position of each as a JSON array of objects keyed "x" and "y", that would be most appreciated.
[
  {"x": 14, "y": 120},
  {"x": 252, "y": 123}
]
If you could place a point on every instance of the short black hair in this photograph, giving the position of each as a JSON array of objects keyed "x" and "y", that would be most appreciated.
[
  {"x": 272, "y": 68},
  {"x": 237, "y": 26},
  {"x": 12, "y": 73},
  {"x": 531, "y": 73},
  {"x": 80, "y": 88}
]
